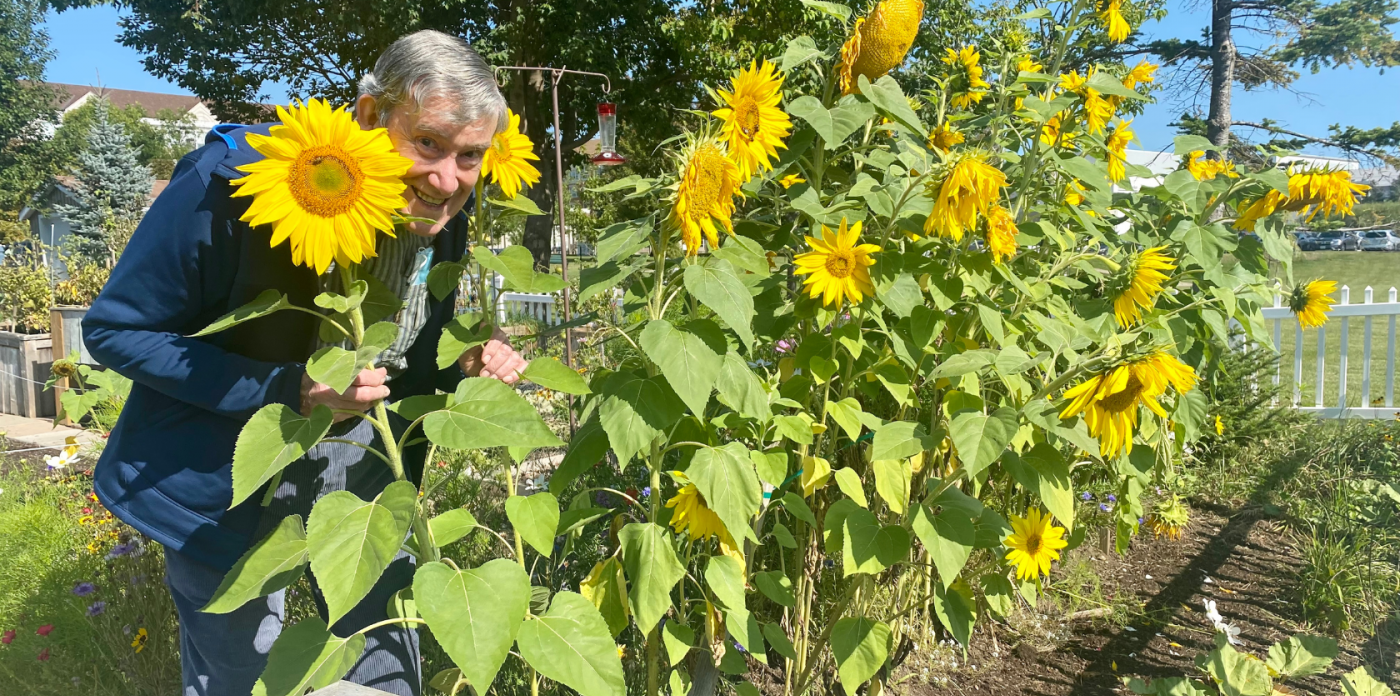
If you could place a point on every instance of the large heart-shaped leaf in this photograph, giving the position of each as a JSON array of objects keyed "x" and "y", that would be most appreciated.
[
  {"x": 716, "y": 284},
  {"x": 475, "y": 614},
  {"x": 517, "y": 266},
  {"x": 571, "y": 644},
  {"x": 307, "y": 656},
  {"x": 861, "y": 647},
  {"x": 1301, "y": 656},
  {"x": 725, "y": 577},
  {"x": 273, "y": 438},
  {"x": 352, "y": 541},
  {"x": 980, "y": 439},
  {"x": 552, "y": 374},
  {"x": 726, "y": 479},
  {"x": 464, "y": 332},
  {"x": 635, "y": 410},
  {"x": 689, "y": 357},
  {"x": 272, "y": 564},
  {"x": 740, "y": 389},
  {"x": 451, "y": 526},
  {"x": 653, "y": 569},
  {"x": 868, "y": 547},
  {"x": 488, "y": 413},
  {"x": 265, "y": 303},
  {"x": 606, "y": 588},
  {"x": 535, "y": 519},
  {"x": 949, "y": 537}
]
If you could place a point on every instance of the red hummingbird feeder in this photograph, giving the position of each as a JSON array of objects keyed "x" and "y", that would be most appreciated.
[{"x": 607, "y": 136}]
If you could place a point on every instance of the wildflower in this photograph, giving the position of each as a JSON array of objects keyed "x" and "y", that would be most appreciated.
[
  {"x": 8, "y": 637},
  {"x": 1117, "y": 145},
  {"x": 1142, "y": 73},
  {"x": 67, "y": 456},
  {"x": 1207, "y": 169},
  {"x": 879, "y": 41},
  {"x": 1141, "y": 283},
  {"x": 837, "y": 267},
  {"x": 646, "y": 492},
  {"x": 1104, "y": 507},
  {"x": 791, "y": 180},
  {"x": 85, "y": 520},
  {"x": 1219, "y": 426},
  {"x": 1034, "y": 543},
  {"x": 945, "y": 137},
  {"x": 1028, "y": 64},
  {"x": 84, "y": 589},
  {"x": 782, "y": 346},
  {"x": 754, "y": 124},
  {"x": 44, "y": 655},
  {"x": 123, "y": 549},
  {"x": 709, "y": 181},
  {"x": 1232, "y": 633},
  {"x": 1001, "y": 233},
  {"x": 1111, "y": 498},
  {"x": 1111, "y": 14},
  {"x": 972, "y": 186},
  {"x": 324, "y": 183},
  {"x": 968, "y": 86},
  {"x": 506, "y": 162},
  {"x": 139, "y": 641},
  {"x": 1086, "y": 496},
  {"x": 1109, "y": 400},
  {"x": 738, "y": 646},
  {"x": 621, "y": 651},
  {"x": 96, "y": 608},
  {"x": 1310, "y": 302},
  {"x": 45, "y": 630}
]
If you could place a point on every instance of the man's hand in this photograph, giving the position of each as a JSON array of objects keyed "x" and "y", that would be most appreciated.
[
  {"x": 360, "y": 396},
  {"x": 496, "y": 359}
]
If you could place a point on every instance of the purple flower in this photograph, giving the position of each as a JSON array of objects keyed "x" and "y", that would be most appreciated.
[
  {"x": 1139, "y": 520},
  {"x": 782, "y": 346},
  {"x": 646, "y": 492},
  {"x": 84, "y": 589},
  {"x": 739, "y": 647},
  {"x": 1103, "y": 506},
  {"x": 1086, "y": 496},
  {"x": 1112, "y": 498},
  {"x": 121, "y": 550},
  {"x": 96, "y": 608}
]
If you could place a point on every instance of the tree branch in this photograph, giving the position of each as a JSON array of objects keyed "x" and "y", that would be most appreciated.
[{"x": 1368, "y": 152}]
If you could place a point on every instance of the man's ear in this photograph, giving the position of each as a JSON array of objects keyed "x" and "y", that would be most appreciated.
[{"x": 365, "y": 112}]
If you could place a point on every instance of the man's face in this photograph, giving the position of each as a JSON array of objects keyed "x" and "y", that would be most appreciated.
[{"x": 446, "y": 157}]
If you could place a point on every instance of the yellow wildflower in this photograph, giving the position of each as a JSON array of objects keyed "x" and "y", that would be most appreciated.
[{"x": 972, "y": 186}]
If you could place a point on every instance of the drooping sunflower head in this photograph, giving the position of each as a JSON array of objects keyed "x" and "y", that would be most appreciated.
[
  {"x": 1054, "y": 132},
  {"x": 1109, "y": 400},
  {"x": 694, "y": 518},
  {"x": 1261, "y": 208},
  {"x": 838, "y": 266},
  {"x": 971, "y": 186},
  {"x": 1142, "y": 73},
  {"x": 1028, "y": 64},
  {"x": 754, "y": 124},
  {"x": 1111, "y": 14},
  {"x": 1117, "y": 146},
  {"x": 324, "y": 183},
  {"x": 879, "y": 41},
  {"x": 1169, "y": 518},
  {"x": 1204, "y": 169},
  {"x": 1326, "y": 191},
  {"x": 709, "y": 180},
  {"x": 507, "y": 161},
  {"x": 1310, "y": 302},
  {"x": 1074, "y": 193},
  {"x": 967, "y": 84},
  {"x": 944, "y": 137},
  {"x": 1139, "y": 283},
  {"x": 1001, "y": 233},
  {"x": 1034, "y": 543}
]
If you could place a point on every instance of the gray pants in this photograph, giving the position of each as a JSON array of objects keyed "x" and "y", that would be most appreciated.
[{"x": 225, "y": 653}]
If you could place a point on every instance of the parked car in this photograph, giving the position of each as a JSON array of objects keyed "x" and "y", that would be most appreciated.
[
  {"x": 1337, "y": 241},
  {"x": 1305, "y": 240},
  {"x": 1380, "y": 240}
]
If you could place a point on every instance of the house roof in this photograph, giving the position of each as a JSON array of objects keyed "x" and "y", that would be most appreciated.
[
  {"x": 66, "y": 183},
  {"x": 152, "y": 102}
]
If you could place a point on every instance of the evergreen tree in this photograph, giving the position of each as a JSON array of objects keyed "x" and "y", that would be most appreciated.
[{"x": 112, "y": 189}]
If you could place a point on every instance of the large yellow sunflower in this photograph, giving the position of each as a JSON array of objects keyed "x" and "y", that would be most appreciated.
[
  {"x": 1035, "y": 542},
  {"x": 837, "y": 268},
  {"x": 753, "y": 123},
  {"x": 879, "y": 41},
  {"x": 1142, "y": 73},
  {"x": 1141, "y": 284},
  {"x": 1169, "y": 518},
  {"x": 1053, "y": 132},
  {"x": 1117, "y": 145},
  {"x": 507, "y": 162},
  {"x": 1109, "y": 400},
  {"x": 1310, "y": 302},
  {"x": 972, "y": 186},
  {"x": 1097, "y": 110},
  {"x": 1324, "y": 190},
  {"x": 1207, "y": 169},
  {"x": 694, "y": 518},
  {"x": 968, "y": 87},
  {"x": 323, "y": 183},
  {"x": 1111, "y": 14},
  {"x": 1001, "y": 233},
  {"x": 944, "y": 137},
  {"x": 709, "y": 181}
]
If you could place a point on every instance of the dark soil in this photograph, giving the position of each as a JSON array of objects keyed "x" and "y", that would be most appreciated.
[{"x": 1250, "y": 567}]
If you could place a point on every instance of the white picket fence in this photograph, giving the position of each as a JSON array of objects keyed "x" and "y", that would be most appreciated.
[
  {"x": 1348, "y": 405},
  {"x": 514, "y": 305}
]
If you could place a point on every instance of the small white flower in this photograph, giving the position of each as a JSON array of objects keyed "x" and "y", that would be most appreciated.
[
  {"x": 64, "y": 458},
  {"x": 1232, "y": 633}
]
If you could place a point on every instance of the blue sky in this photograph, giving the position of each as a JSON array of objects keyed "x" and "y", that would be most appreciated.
[{"x": 86, "y": 47}]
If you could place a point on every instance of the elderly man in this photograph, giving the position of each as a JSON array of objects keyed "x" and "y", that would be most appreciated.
[{"x": 166, "y": 467}]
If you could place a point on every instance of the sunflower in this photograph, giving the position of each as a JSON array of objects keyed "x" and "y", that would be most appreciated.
[
  {"x": 1109, "y": 400},
  {"x": 1310, "y": 302},
  {"x": 945, "y": 137},
  {"x": 1053, "y": 132},
  {"x": 1325, "y": 190},
  {"x": 709, "y": 180},
  {"x": 754, "y": 126},
  {"x": 837, "y": 267},
  {"x": 1097, "y": 110},
  {"x": 1141, "y": 284},
  {"x": 1169, "y": 518},
  {"x": 1142, "y": 73},
  {"x": 968, "y": 86},
  {"x": 879, "y": 41},
  {"x": 1260, "y": 209},
  {"x": 1117, "y": 144},
  {"x": 1074, "y": 193},
  {"x": 1035, "y": 542},
  {"x": 791, "y": 180},
  {"x": 694, "y": 518},
  {"x": 1029, "y": 65},
  {"x": 972, "y": 186},
  {"x": 1207, "y": 169},
  {"x": 1111, "y": 14},
  {"x": 324, "y": 183},
  {"x": 506, "y": 160},
  {"x": 1001, "y": 233},
  {"x": 1219, "y": 426}
]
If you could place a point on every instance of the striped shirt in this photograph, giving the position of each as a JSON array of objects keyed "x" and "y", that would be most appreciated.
[{"x": 402, "y": 266}]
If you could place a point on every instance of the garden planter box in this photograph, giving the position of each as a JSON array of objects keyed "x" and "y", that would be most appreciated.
[{"x": 24, "y": 365}]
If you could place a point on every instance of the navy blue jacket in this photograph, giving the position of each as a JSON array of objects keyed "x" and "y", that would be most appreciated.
[{"x": 166, "y": 467}]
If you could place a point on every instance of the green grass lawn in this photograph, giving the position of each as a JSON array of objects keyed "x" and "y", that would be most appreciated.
[{"x": 1357, "y": 270}]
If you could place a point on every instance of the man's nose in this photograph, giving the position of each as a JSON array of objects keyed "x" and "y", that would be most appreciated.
[{"x": 444, "y": 176}]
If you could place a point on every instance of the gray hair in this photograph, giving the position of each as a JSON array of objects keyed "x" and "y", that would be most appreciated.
[{"x": 428, "y": 64}]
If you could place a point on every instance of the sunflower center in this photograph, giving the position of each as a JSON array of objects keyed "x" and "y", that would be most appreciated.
[
  {"x": 746, "y": 115},
  {"x": 325, "y": 180},
  {"x": 502, "y": 150},
  {"x": 1032, "y": 544},
  {"x": 708, "y": 180},
  {"x": 1125, "y": 399},
  {"x": 841, "y": 264}
]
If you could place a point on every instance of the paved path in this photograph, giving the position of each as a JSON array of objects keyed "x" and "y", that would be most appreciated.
[{"x": 23, "y": 432}]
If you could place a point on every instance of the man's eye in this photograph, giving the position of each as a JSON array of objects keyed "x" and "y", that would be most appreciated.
[{"x": 427, "y": 143}]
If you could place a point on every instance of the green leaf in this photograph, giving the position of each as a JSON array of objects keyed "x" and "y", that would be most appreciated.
[
  {"x": 596, "y": 279},
  {"x": 1183, "y": 145},
  {"x": 689, "y": 357},
  {"x": 1238, "y": 674},
  {"x": 903, "y": 295},
  {"x": 846, "y": 413},
  {"x": 307, "y": 656},
  {"x": 623, "y": 238},
  {"x": 772, "y": 466},
  {"x": 779, "y": 640},
  {"x": 377, "y": 338},
  {"x": 267, "y": 302},
  {"x": 475, "y": 614},
  {"x": 488, "y": 413},
  {"x": 451, "y": 526},
  {"x": 889, "y": 98},
  {"x": 653, "y": 569},
  {"x": 1046, "y": 473},
  {"x": 849, "y": 483},
  {"x": 1301, "y": 656},
  {"x": 892, "y": 480},
  {"x": 415, "y": 407},
  {"x": 342, "y": 304},
  {"x": 860, "y": 647},
  {"x": 1359, "y": 682},
  {"x": 796, "y": 428},
  {"x": 800, "y": 51},
  {"x": 380, "y": 302},
  {"x": 726, "y": 479},
  {"x": 740, "y": 389},
  {"x": 834, "y": 9},
  {"x": 964, "y": 363},
  {"x": 332, "y": 366},
  {"x": 678, "y": 638},
  {"x": 444, "y": 278},
  {"x": 272, "y": 564},
  {"x": 717, "y": 286},
  {"x": 272, "y": 439},
  {"x": 954, "y": 612},
  {"x": 571, "y": 520},
  {"x": 606, "y": 588},
  {"x": 635, "y": 410},
  {"x": 535, "y": 519},
  {"x": 900, "y": 440},
  {"x": 520, "y": 204},
  {"x": 351, "y": 542},
  {"x": 517, "y": 266},
  {"x": 1277, "y": 179},
  {"x": 997, "y": 589},
  {"x": 775, "y": 586},
  {"x": 1107, "y": 84},
  {"x": 743, "y": 627},
  {"x": 980, "y": 439},
  {"x": 571, "y": 644},
  {"x": 784, "y": 537},
  {"x": 868, "y": 547},
  {"x": 949, "y": 537},
  {"x": 724, "y": 575},
  {"x": 464, "y": 332},
  {"x": 552, "y": 374},
  {"x": 587, "y": 447},
  {"x": 798, "y": 507}
]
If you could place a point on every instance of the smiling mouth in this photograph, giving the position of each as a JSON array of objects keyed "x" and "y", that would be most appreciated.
[{"x": 432, "y": 202}]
